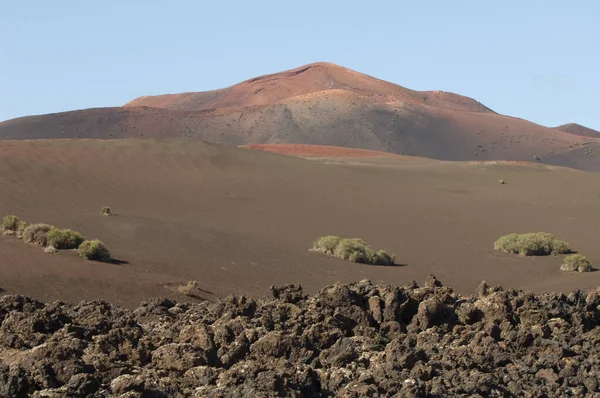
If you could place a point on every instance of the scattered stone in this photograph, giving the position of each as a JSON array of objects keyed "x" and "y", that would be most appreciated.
[{"x": 50, "y": 249}]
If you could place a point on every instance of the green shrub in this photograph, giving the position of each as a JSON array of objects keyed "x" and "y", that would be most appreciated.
[
  {"x": 106, "y": 211},
  {"x": 21, "y": 225},
  {"x": 576, "y": 262},
  {"x": 385, "y": 258},
  {"x": 560, "y": 247},
  {"x": 326, "y": 244},
  {"x": 93, "y": 250},
  {"x": 508, "y": 243},
  {"x": 531, "y": 244},
  {"x": 10, "y": 222},
  {"x": 37, "y": 233},
  {"x": 64, "y": 239},
  {"x": 354, "y": 249}
]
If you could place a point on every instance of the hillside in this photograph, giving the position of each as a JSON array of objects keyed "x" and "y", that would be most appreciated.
[
  {"x": 309, "y": 79},
  {"x": 323, "y": 104},
  {"x": 578, "y": 129},
  {"x": 240, "y": 220}
]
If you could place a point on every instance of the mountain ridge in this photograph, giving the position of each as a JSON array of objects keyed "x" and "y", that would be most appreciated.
[
  {"x": 325, "y": 104},
  {"x": 314, "y": 77},
  {"x": 578, "y": 129}
]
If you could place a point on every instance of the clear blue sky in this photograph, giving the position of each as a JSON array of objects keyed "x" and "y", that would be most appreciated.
[{"x": 534, "y": 59}]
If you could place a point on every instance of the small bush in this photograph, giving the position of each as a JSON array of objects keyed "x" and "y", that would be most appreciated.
[
  {"x": 64, "y": 239},
  {"x": 106, "y": 211},
  {"x": 21, "y": 225},
  {"x": 385, "y": 258},
  {"x": 326, "y": 244},
  {"x": 8, "y": 232},
  {"x": 576, "y": 262},
  {"x": 508, "y": 243},
  {"x": 37, "y": 233},
  {"x": 560, "y": 247},
  {"x": 93, "y": 250},
  {"x": 188, "y": 289},
  {"x": 10, "y": 222},
  {"x": 354, "y": 249},
  {"x": 531, "y": 244},
  {"x": 501, "y": 182}
]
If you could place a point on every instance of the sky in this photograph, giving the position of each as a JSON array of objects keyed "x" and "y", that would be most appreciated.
[{"x": 537, "y": 60}]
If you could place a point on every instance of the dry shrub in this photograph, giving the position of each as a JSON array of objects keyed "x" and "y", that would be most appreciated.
[
  {"x": 37, "y": 233},
  {"x": 188, "y": 289},
  {"x": 94, "y": 250},
  {"x": 353, "y": 249},
  {"x": 326, "y": 244},
  {"x": 576, "y": 262},
  {"x": 21, "y": 225},
  {"x": 65, "y": 239},
  {"x": 532, "y": 244},
  {"x": 10, "y": 222}
]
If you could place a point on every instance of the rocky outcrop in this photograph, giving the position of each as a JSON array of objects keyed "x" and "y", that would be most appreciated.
[{"x": 355, "y": 340}]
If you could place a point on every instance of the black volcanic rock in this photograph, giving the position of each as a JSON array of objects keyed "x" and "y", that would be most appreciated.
[{"x": 349, "y": 340}]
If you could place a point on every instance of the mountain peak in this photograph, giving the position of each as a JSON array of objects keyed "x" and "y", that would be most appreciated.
[
  {"x": 578, "y": 129},
  {"x": 324, "y": 104},
  {"x": 312, "y": 78}
]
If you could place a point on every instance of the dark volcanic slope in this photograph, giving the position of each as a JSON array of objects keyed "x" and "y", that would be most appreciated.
[
  {"x": 240, "y": 220},
  {"x": 578, "y": 129},
  {"x": 357, "y": 340},
  {"x": 97, "y": 123},
  {"x": 321, "y": 104}
]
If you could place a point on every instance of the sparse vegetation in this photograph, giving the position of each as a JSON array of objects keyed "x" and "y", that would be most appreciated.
[
  {"x": 54, "y": 239},
  {"x": 21, "y": 225},
  {"x": 326, "y": 244},
  {"x": 532, "y": 244},
  {"x": 589, "y": 151},
  {"x": 10, "y": 222},
  {"x": 354, "y": 249},
  {"x": 12, "y": 226},
  {"x": 64, "y": 239},
  {"x": 576, "y": 262},
  {"x": 37, "y": 233},
  {"x": 106, "y": 211},
  {"x": 188, "y": 289},
  {"x": 384, "y": 258},
  {"x": 93, "y": 250}
]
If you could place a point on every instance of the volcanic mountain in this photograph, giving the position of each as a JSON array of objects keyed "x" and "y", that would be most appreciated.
[
  {"x": 578, "y": 129},
  {"x": 325, "y": 104}
]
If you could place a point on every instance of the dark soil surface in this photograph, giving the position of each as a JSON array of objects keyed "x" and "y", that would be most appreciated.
[{"x": 238, "y": 220}]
